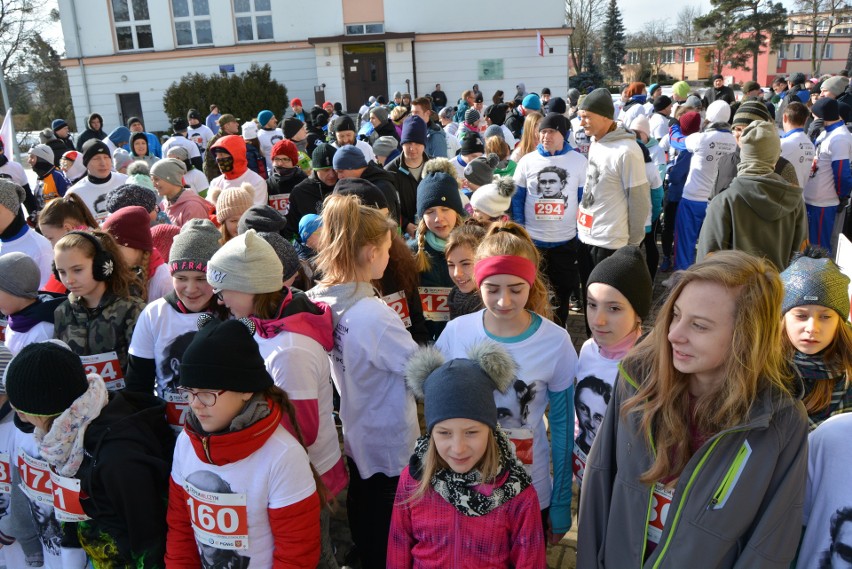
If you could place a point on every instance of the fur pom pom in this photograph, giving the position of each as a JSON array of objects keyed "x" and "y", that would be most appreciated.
[
  {"x": 494, "y": 361},
  {"x": 492, "y": 160},
  {"x": 138, "y": 167},
  {"x": 812, "y": 251},
  {"x": 505, "y": 186},
  {"x": 422, "y": 363}
]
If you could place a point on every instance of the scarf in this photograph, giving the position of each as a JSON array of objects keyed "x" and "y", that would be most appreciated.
[
  {"x": 462, "y": 303},
  {"x": 814, "y": 367},
  {"x": 459, "y": 490},
  {"x": 435, "y": 242},
  {"x": 620, "y": 349},
  {"x": 62, "y": 446}
]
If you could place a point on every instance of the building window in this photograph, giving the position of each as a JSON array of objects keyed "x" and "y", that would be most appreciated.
[
  {"x": 132, "y": 24},
  {"x": 828, "y": 51},
  {"x": 364, "y": 29},
  {"x": 254, "y": 20},
  {"x": 668, "y": 56},
  {"x": 690, "y": 55},
  {"x": 192, "y": 22},
  {"x": 797, "y": 51}
]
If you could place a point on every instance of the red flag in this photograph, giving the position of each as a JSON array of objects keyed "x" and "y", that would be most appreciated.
[{"x": 540, "y": 44}]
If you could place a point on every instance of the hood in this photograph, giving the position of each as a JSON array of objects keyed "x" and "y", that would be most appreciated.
[
  {"x": 339, "y": 298},
  {"x": 129, "y": 416},
  {"x": 89, "y": 122},
  {"x": 120, "y": 135},
  {"x": 617, "y": 135},
  {"x": 301, "y": 316},
  {"x": 41, "y": 311},
  {"x": 234, "y": 145},
  {"x": 770, "y": 196},
  {"x": 226, "y": 448},
  {"x": 718, "y": 126}
]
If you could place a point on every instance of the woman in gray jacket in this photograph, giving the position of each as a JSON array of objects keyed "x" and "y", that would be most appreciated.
[{"x": 701, "y": 460}]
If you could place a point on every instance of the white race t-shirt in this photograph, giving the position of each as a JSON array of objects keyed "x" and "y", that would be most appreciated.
[
  {"x": 94, "y": 195},
  {"x": 17, "y": 341},
  {"x": 200, "y": 135},
  {"x": 261, "y": 194},
  {"x": 160, "y": 284},
  {"x": 546, "y": 362},
  {"x": 241, "y": 493},
  {"x": 196, "y": 180},
  {"x": 799, "y": 151},
  {"x": 183, "y": 142},
  {"x": 820, "y": 189},
  {"x": 707, "y": 148}
]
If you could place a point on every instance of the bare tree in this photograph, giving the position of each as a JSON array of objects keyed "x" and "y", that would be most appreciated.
[
  {"x": 684, "y": 30},
  {"x": 652, "y": 47},
  {"x": 20, "y": 24},
  {"x": 819, "y": 18},
  {"x": 585, "y": 16}
]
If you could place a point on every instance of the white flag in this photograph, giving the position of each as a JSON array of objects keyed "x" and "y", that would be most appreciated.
[{"x": 7, "y": 133}]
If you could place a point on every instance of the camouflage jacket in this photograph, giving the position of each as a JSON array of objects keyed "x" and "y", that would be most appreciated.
[{"x": 107, "y": 328}]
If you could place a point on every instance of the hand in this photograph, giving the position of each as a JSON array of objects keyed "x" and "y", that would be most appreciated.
[
  {"x": 411, "y": 229},
  {"x": 554, "y": 538}
]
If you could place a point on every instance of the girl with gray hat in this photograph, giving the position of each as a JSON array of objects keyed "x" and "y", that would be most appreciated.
[{"x": 817, "y": 335}]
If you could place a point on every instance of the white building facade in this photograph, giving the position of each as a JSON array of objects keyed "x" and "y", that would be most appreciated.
[{"x": 121, "y": 55}]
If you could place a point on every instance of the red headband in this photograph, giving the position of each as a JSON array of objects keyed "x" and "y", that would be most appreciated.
[{"x": 505, "y": 265}]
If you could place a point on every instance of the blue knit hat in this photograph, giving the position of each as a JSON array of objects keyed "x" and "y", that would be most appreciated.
[
  {"x": 413, "y": 130},
  {"x": 349, "y": 158},
  {"x": 58, "y": 124},
  {"x": 531, "y": 102},
  {"x": 438, "y": 189},
  {"x": 264, "y": 117},
  {"x": 815, "y": 281}
]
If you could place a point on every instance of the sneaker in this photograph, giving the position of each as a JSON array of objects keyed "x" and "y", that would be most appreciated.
[
  {"x": 574, "y": 304},
  {"x": 666, "y": 265}
]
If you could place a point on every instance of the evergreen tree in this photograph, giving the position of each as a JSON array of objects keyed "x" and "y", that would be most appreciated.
[
  {"x": 46, "y": 84},
  {"x": 744, "y": 29},
  {"x": 614, "y": 42}
]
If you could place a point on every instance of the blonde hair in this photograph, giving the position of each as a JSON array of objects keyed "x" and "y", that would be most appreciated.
[
  {"x": 489, "y": 465},
  {"x": 466, "y": 235},
  {"x": 818, "y": 398},
  {"x": 756, "y": 361},
  {"x": 422, "y": 258},
  {"x": 348, "y": 227},
  {"x": 122, "y": 281},
  {"x": 144, "y": 265},
  {"x": 498, "y": 146},
  {"x": 509, "y": 238},
  {"x": 529, "y": 138}
]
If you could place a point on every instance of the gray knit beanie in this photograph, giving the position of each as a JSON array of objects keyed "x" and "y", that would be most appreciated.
[
  {"x": 384, "y": 146},
  {"x": 247, "y": 264},
  {"x": 284, "y": 250},
  {"x": 760, "y": 148},
  {"x": 11, "y": 195},
  {"x": 171, "y": 170},
  {"x": 836, "y": 85},
  {"x": 599, "y": 102},
  {"x": 19, "y": 275},
  {"x": 194, "y": 246},
  {"x": 815, "y": 281},
  {"x": 480, "y": 170},
  {"x": 261, "y": 218}
]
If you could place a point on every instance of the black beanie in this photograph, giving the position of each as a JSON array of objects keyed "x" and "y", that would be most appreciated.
[
  {"x": 343, "y": 124},
  {"x": 627, "y": 272},
  {"x": 180, "y": 124},
  {"x": 44, "y": 379},
  {"x": 292, "y": 126},
  {"x": 661, "y": 103},
  {"x": 368, "y": 192},
  {"x": 496, "y": 113},
  {"x": 93, "y": 147},
  {"x": 556, "y": 122},
  {"x": 557, "y": 105},
  {"x": 224, "y": 355},
  {"x": 471, "y": 144}
]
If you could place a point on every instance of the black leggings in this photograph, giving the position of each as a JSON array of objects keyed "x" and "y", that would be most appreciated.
[
  {"x": 369, "y": 505},
  {"x": 667, "y": 238},
  {"x": 652, "y": 255}
]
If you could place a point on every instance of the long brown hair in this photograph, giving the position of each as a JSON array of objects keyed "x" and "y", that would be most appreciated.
[
  {"x": 122, "y": 281},
  {"x": 348, "y": 227},
  {"x": 529, "y": 138},
  {"x": 818, "y": 397},
  {"x": 756, "y": 362},
  {"x": 71, "y": 207},
  {"x": 488, "y": 465},
  {"x": 267, "y": 304},
  {"x": 509, "y": 238},
  {"x": 402, "y": 266}
]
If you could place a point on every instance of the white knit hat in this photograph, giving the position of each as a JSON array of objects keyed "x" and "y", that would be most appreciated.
[
  {"x": 247, "y": 264},
  {"x": 494, "y": 199},
  {"x": 249, "y": 130},
  {"x": 718, "y": 111}
]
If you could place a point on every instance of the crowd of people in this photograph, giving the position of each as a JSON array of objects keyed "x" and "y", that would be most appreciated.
[{"x": 190, "y": 321}]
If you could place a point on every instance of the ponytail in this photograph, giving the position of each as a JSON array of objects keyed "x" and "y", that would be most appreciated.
[{"x": 58, "y": 211}]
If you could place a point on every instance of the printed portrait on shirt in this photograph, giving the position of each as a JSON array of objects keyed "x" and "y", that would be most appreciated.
[
  {"x": 172, "y": 356},
  {"x": 591, "y": 398},
  {"x": 213, "y": 557},
  {"x": 839, "y": 553},
  {"x": 513, "y": 407},
  {"x": 550, "y": 184}
]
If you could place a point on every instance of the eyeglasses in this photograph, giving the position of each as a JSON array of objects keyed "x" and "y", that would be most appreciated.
[
  {"x": 282, "y": 160},
  {"x": 206, "y": 398}
]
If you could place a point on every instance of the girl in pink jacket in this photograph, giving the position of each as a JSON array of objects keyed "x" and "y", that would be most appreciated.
[{"x": 464, "y": 499}]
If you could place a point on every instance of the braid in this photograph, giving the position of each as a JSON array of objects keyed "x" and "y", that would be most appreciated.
[
  {"x": 424, "y": 262},
  {"x": 280, "y": 398},
  {"x": 143, "y": 275}
]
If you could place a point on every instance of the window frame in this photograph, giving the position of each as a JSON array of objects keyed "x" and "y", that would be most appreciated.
[
  {"x": 349, "y": 29},
  {"x": 253, "y": 15},
  {"x": 191, "y": 19},
  {"x": 689, "y": 55},
  {"x": 132, "y": 24}
]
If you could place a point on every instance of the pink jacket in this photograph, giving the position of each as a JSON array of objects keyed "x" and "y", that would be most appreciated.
[
  {"x": 431, "y": 533},
  {"x": 188, "y": 206}
]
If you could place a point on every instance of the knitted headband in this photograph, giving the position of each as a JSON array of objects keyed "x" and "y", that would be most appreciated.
[{"x": 505, "y": 265}]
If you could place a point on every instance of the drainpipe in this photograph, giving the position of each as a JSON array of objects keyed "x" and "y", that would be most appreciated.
[
  {"x": 414, "y": 68},
  {"x": 80, "y": 59}
]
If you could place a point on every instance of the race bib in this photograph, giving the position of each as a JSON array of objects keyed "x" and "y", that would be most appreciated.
[
  {"x": 218, "y": 520},
  {"x": 549, "y": 210},
  {"x": 66, "y": 499},
  {"x": 399, "y": 303},
  {"x": 523, "y": 441},
  {"x": 578, "y": 463},
  {"x": 660, "y": 504},
  {"x": 280, "y": 202},
  {"x": 5, "y": 473},
  {"x": 176, "y": 410},
  {"x": 35, "y": 478},
  {"x": 105, "y": 365},
  {"x": 584, "y": 221},
  {"x": 435, "y": 304}
]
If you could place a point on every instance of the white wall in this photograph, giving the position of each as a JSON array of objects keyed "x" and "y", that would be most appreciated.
[
  {"x": 294, "y": 68},
  {"x": 93, "y": 19},
  {"x": 329, "y": 70},
  {"x": 455, "y": 66},
  {"x": 399, "y": 66},
  {"x": 441, "y": 16}
]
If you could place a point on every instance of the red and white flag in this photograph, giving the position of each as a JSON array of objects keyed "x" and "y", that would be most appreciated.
[
  {"x": 7, "y": 134},
  {"x": 539, "y": 44}
]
